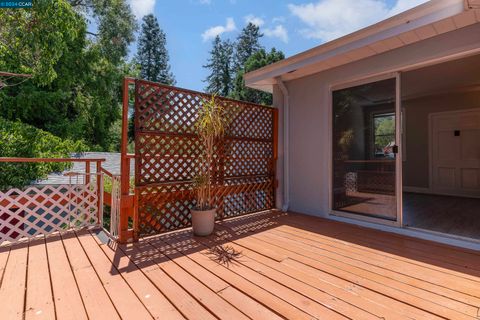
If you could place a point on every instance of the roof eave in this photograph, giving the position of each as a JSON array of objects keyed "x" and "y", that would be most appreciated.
[{"x": 414, "y": 18}]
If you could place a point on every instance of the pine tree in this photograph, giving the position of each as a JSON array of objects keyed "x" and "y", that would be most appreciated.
[
  {"x": 248, "y": 43},
  {"x": 259, "y": 59},
  {"x": 220, "y": 79},
  {"x": 152, "y": 54}
]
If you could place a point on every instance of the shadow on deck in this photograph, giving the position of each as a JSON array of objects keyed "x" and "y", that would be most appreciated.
[{"x": 267, "y": 265}]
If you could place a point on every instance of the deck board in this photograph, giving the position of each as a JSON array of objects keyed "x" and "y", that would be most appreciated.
[
  {"x": 126, "y": 302},
  {"x": 95, "y": 298},
  {"x": 68, "y": 301},
  {"x": 261, "y": 266},
  {"x": 39, "y": 301},
  {"x": 156, "y": 303},
  {"x": 12, "y": 291}
]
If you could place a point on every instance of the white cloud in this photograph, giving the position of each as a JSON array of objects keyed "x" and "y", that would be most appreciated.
[
  {"x": 205, "y": 1},
  {"x": 212, "y": 32},
  {"x": 255, "y": 20},
  {"x": 404, "y": 5},
  {"x": 330, "y": 19},
  {"x": 277, "y": 32},
  {"x": 141, "y": 8}
]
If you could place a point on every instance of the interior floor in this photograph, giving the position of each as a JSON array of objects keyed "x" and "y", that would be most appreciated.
[{"x": 452, "y": 215}]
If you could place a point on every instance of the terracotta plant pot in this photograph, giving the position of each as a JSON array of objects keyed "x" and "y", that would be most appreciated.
[{"x": 203, "y": 222}]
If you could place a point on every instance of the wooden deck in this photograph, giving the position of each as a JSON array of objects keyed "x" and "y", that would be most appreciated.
[{"x": 263, "y": 266}]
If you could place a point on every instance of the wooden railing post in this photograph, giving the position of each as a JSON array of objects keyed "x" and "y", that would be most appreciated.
[
  {"x": 125, "y": 198},
  {"x": 100, "y": 192},
  {"x": 87, "y": 172}
]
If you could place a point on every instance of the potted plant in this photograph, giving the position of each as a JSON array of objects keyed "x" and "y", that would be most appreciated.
[{"x": 210, "y": 127}]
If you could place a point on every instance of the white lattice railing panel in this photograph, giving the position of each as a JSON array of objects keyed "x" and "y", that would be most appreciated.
[{"x": 46, "y": 209}]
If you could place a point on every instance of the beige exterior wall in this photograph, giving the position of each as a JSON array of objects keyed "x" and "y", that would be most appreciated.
[
  {"x": 416, "y": 166},
  {"x": 310, "y": 112}
]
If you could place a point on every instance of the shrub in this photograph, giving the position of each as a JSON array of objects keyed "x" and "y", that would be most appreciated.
[{"x": 20, "y": 140}]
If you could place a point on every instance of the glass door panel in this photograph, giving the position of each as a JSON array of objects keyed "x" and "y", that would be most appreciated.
[{"x": 365, "y": 150}]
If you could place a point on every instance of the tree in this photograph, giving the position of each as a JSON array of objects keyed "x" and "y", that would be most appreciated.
[
  {"x": 152, "y": 54},
  {"x": 75, "y": 91},
  {"x": 115, "y": 25},
  {"x": 259, "y": 59},
  {"x": 248, "y": 43},
  {"x": 220, "y": 64}
]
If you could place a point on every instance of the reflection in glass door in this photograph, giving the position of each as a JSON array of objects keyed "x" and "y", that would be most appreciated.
[{"x": 365, "y": 150}]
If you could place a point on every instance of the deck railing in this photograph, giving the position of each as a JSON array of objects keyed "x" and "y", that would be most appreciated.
[{"x": 44, "y": 209}]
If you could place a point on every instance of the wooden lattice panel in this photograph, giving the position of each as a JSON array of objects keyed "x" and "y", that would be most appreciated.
[
  {"x": 167, "y": 151},
  {"x": 46, "y": 209}
]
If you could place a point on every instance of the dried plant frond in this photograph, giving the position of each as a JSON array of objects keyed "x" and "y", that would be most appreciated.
[{"x": 210, "y": 125}]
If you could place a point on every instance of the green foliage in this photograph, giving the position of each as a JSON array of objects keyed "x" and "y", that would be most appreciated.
[
  {"x": 33, "y": 41},
  {"x": 75, "y": 91},
  {"x": 21, "y": 140},
  {"x": 229, "y": 62},
  {"x": 248, "y": 43},
  {"x": 384, "y": 130},
  {"x": 152, "y": 53},
  {"x": 259, "y": 59},
  {"x": 221, "y": 69}
]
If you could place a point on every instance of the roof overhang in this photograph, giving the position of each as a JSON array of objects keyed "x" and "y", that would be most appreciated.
[{"x": 422, "y": 22}]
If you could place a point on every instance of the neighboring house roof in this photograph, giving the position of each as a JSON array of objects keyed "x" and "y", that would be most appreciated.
[
  {"x": 422, "y": 22},
  {"x": 112, "y": 164}
]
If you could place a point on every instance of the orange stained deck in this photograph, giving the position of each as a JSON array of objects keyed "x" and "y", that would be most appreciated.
[{"x": 262, "y": 266}]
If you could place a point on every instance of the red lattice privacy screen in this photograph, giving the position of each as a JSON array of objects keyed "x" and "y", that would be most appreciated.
[{"x": 167, "y": 152}]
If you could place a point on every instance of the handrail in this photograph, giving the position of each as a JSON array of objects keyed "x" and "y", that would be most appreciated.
[
  {"x": 5, "y": 159},
  {"x": 108, "y": 173}
]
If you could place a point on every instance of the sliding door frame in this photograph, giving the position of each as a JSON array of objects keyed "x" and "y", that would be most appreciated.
[{"x": 398, "y": 140}]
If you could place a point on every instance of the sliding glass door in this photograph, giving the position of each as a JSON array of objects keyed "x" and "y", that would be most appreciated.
[{"x": 364, "y": 150}]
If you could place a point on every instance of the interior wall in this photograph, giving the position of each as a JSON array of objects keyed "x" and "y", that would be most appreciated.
[
  {"x": 310, "y": 114},
  {"x": 416, "y": 166}
]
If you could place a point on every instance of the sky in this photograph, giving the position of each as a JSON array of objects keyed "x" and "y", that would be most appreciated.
[{"x": 292, "y": 26}]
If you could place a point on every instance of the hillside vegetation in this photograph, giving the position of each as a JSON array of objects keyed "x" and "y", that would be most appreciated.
[{"x": 21, "y": 140}]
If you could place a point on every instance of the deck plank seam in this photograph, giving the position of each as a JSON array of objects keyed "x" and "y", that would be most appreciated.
[
  {"x": 26, "y": 283},
  {"x": 50, "y": 277},
  {"x": 5, "y": 267}
]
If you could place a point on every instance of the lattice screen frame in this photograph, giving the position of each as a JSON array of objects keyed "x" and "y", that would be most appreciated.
[{"x": 167, "y": 150}]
